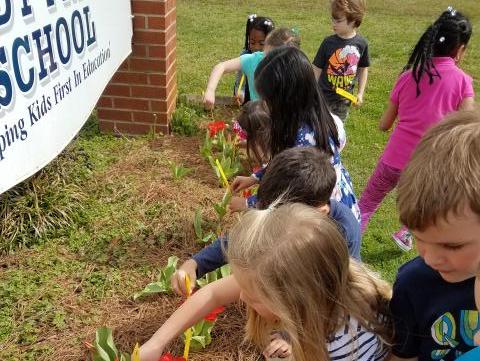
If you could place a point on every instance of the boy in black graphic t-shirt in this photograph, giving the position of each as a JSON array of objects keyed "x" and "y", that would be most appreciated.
[{"x": 343, "y": 57}]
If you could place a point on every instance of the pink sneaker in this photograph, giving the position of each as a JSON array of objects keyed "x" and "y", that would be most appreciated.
[{"x": 403, "y": 238}]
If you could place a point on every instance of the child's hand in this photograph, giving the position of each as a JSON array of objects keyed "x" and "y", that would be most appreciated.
[
  {"x": 209, "y": 99},
  {"x": 359, "y": 100},
  {"x": 178, "y": 278},
  {"x": 239, "y": 98},
  {"x": 237, "y": 204},
  {"x": 278, "y": 347},
  {"x": 150, "y": 351},
  {"x": 240, "y": 183},
  {"x": 476, "y": 339}
]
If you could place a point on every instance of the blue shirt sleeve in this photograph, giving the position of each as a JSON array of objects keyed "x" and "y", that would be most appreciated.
[
  {"x": 349, "y": 227},
  {"x": 211, "y": 257},
  {"x": 239, "y": 76},
  {"x": 252, "y": 201},
  {"x": 248, "y": 63},
  {"x": 473, "y": 355}
]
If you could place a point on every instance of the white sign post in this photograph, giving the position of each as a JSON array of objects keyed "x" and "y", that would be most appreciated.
[{"x": 56, "y": 57}]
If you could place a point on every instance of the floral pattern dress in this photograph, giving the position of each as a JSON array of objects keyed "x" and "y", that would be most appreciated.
[{"x": 343, "y": 191}]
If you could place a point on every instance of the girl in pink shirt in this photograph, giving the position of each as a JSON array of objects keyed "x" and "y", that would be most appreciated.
[{"x": 430, "y": 86}]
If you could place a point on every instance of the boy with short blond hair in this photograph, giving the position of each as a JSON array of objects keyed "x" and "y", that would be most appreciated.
[
  {"x": 433, "y": 302},
  {"x": 343, "y": 57}
]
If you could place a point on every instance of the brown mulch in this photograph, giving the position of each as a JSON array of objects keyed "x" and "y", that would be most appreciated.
[
  {"x": 137, "y": 321},
  {"x": 143, "y": 175}
]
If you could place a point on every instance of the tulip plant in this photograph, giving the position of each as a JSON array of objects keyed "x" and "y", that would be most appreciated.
[
  {"x": 178, "y": 170},
  {"x": 104, "y": 349},
  {"x": 202, "y": 236},
  {"x": 222, "y": 153},
  {"x": 163, "y": 281}
]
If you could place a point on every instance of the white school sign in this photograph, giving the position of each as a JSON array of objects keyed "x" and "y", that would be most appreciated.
[{"x": 56, "y": 57}]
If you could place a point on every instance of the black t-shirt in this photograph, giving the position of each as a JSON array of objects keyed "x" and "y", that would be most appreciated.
[
  {"x": 339, "y": 60},
  {"x": 434, "y": 320}
]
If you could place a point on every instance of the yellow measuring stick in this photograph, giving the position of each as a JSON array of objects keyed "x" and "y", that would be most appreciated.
[
  {"x": 188, "y": 333},
  {"x": 347, "y": 95},
  {"x": 240, "y": 84},
  {"x": 222, "y": 174},
  {"x": 136, "y": 353}
]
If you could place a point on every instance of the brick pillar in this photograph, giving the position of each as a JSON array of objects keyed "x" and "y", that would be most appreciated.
[{"x": 142, "y": 94}]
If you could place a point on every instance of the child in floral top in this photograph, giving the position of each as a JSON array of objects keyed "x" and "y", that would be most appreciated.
[{"x": 299, "y": 117}]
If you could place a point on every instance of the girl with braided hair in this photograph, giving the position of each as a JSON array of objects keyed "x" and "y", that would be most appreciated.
[
  {"x": 256, "y": 31},
  {"x": 431, "y": 86}
]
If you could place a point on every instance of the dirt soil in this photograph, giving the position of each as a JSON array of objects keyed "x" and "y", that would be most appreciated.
[{"x": 147, "y": 180}]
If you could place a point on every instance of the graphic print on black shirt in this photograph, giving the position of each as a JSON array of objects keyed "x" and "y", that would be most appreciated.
[
  {"x": 342, "y": 67},
  {"x": 450, "y": 331},
  {"x": 339, "y": 60},
  {"x": 434, "y": 320}
]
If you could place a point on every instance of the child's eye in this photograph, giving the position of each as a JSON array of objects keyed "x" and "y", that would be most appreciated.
[{"x": 453, "y": 247}]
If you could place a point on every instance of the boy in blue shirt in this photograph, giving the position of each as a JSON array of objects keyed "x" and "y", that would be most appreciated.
[
  {"x": 299, "y": 174},
  {"x": 433, "y": 303}
]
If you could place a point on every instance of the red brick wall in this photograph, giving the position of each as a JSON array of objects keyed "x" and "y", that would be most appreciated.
[{"x": 142, "y": 94}]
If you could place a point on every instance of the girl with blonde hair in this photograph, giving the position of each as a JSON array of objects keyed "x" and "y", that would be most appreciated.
[
  {"x": 295, "y": 275},
  {"x": 291, "y": 267}
]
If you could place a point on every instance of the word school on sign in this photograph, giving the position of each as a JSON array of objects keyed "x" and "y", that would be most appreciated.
[{"x": 28, "y": 54}]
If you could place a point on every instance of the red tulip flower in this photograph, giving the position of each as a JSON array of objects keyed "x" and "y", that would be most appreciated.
[
  {"x": 215, "y": 127},
  {"x": 212, "y": 316},
  {"x": 247, "y": 193},
  {"x": 169, "y": 357}
]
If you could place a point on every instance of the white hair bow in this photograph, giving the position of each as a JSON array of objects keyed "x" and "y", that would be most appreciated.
[{"x": 452, "y": 11}]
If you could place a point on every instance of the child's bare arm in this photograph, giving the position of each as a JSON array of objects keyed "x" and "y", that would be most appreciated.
[
  {"x": 467, "y": 104},
  {"x": 388, "y": 117},
  {"x": 362, "y": 83},
  {"x": 199, "y": 305},
  {"x": 217, "y": 72},
  {"x": 317, "y": 71}
]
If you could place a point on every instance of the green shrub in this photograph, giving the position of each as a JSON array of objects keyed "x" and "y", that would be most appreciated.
[
  {"x": 44, "y": 204},
  {"x": 185, "y": 120}
]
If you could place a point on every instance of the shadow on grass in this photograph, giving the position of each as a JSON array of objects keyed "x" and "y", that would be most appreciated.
[
  {"x": 379, "y": 250},
  {"x": 381, "y": 254}
]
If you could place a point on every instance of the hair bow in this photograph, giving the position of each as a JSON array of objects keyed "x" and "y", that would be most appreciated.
[{"x": 452, "y": 11}]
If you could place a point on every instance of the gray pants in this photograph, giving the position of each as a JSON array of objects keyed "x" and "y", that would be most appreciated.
[{"x": 340, "y": 109}]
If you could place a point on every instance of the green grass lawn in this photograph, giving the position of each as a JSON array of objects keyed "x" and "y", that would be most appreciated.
[
  {"x": 133, "y": 216},
  {"x": 210, "y": 32}
]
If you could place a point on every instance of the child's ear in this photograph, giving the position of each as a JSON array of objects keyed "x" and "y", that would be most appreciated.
[
  {"x": 324, "y": 208},
  {"x": 460, "y": 53}
]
